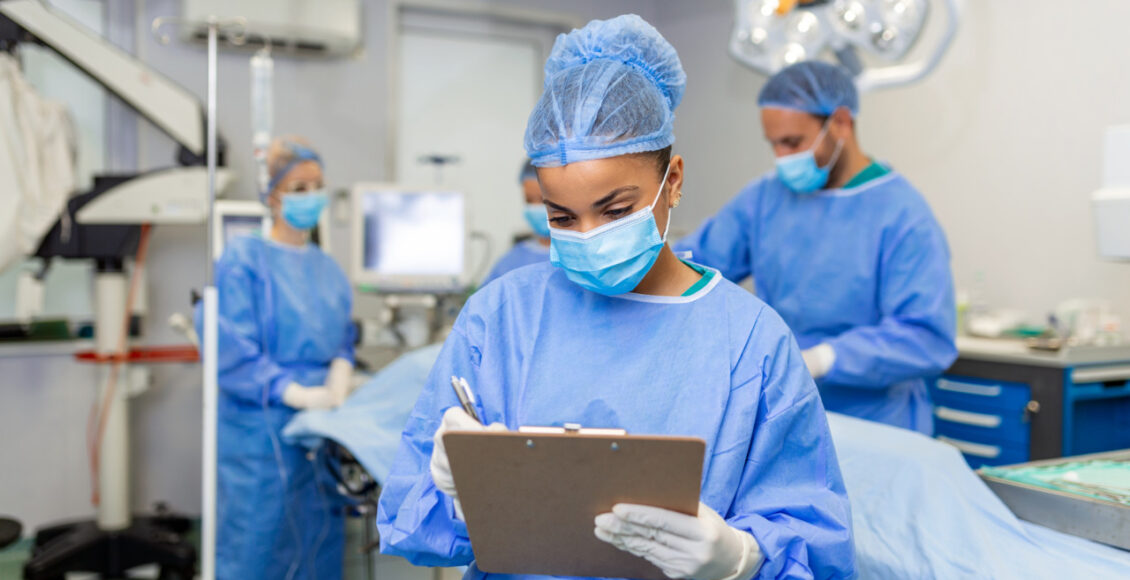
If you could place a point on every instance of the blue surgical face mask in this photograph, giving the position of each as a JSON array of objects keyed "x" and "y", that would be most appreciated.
[
  {"x": 800, "y": 172},
  {"x": 613, "y": 258},
  {"x": 302, "y": 210},
  {"x": 536, "y": 216}
]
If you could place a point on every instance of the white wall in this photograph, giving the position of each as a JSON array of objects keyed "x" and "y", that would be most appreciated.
[
  {"x": 1004, "y": 139},
  {"x": 341, "y": 106}
]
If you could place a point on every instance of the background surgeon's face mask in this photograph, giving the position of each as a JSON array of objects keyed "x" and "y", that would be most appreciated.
[
  {"x": 302, "y": 210},
  {"x": 799, "y": 171},
  {"x": 613, "y": 258},
  {"x": 538, "y": 219}
]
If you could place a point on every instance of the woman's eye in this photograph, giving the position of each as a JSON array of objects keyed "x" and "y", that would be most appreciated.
[
  {"x": 618, "y": 212},
  {"x": 561, "y": 221}
]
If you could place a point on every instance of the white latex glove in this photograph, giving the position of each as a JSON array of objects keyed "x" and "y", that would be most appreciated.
[
  {"x": 454, "y": 419},
  {"x": 702, "y": 547},
  {"x": 819, "y": 359},
  {"x": 300, "y": 397},
  {"x": 340, "y": 378}
]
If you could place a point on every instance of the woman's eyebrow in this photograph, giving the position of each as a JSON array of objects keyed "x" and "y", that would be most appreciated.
[
  {"x": 556, "y": 206},
  {"x": 598, "y": 203},
  {"x": 612, "y": 195}
]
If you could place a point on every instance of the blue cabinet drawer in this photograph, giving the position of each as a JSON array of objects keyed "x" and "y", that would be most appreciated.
[
  {"x": 976, "y": 434},
  {"x": 981, "y": 454},
  {"x": 969, "y": 393},
  {"x": 983, "y": 424}
]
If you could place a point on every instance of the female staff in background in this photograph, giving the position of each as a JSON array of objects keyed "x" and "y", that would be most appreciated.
[{"x": 285, "y": 343}]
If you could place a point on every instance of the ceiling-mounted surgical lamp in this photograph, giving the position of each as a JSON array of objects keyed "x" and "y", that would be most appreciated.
[{"x": 871, "y": 38}]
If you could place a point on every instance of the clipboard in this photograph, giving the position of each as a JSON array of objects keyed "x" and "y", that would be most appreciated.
[{"x": 529, "y": 499}]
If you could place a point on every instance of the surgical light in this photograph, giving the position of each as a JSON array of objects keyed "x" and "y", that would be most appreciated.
[{"x": 872, "y": 38}]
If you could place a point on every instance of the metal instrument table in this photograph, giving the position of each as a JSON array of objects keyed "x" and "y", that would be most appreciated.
[{"x": 1103, "y": 521}]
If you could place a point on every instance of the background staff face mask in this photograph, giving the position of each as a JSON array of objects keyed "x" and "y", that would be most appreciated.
[
  {"x": 536, "y": 216},
  {"x": 302, "y": 210},
  {"x": 613, "y": 258},
  {"x": 799, "y": 171}
]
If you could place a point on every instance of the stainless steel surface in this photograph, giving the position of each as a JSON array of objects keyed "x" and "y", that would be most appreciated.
[
  {"x": 1017, "y": 352},
  {"x": 1103, "y": 521}
]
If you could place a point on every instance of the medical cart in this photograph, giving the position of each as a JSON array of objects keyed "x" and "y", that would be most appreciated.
[{"x": 1003, "y": 403}]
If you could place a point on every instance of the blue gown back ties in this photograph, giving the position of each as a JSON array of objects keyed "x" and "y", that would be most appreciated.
[
  {"x": 866, "y": 270},
  {"x": 718, "y": 365},
  {"x": 283, "y": 316}
]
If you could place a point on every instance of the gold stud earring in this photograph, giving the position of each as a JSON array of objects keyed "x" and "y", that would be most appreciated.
[{"x": 678, "y": 199}]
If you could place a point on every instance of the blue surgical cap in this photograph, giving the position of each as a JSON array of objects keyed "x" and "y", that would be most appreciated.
[
  {"x": 611, "y": 89},
  {"x": 528, "y": 172},
  {"x": 289, "y": 154},
  {"x": 810, "y": 86}
]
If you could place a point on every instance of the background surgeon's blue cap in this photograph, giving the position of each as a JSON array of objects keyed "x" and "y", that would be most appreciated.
[
  {"x": 298, "y": 153},
  {"x": 810, "y": 86},
  {"x": 611, "y": 89},
  {"x": 528, "y": 172}
]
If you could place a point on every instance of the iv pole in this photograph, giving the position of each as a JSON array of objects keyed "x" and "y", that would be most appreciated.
[{"x": 211, "y": 301}]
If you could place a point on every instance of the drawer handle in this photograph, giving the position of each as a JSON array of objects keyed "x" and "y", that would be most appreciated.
[
  {"x": 975, "y": 449},
  {"x": 967, "y": 417},
  {"x": 969, "y": 388},
  {"x": 1101, "y": 375}
]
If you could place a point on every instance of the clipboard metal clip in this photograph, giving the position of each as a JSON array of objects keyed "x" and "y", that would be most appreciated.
[{"x": 571, "y": 429}]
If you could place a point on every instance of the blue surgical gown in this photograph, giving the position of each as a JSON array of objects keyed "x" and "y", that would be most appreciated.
[
  {"x": 522, "y": 254},
  {"x": 866, "y": 270},
  {"x": 718, "y": 364},
  {"x": 283, "y": 316}
]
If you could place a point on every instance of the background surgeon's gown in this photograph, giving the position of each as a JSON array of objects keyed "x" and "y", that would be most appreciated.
[
  {"x": 718, "y": 365},
  {"x": 864, "y": 269},
  {"x": 283, "y": 317},
  {"x": 522, "y": 254}
]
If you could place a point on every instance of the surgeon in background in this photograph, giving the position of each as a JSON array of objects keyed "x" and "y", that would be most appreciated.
[
  {"x": 845, "y": 249},
  {"x": 616, "y": 331},
  {"x": 285, "y": 344},
  {"x": 536, "y": 249}
]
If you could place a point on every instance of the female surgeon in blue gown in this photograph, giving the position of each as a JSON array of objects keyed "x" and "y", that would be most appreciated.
[
  {"x": 616, "y": 331},
  {"x": 284, "y": 344}
]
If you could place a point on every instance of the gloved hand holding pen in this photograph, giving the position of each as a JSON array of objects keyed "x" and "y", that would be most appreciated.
[{"x": 454, "y": 419}]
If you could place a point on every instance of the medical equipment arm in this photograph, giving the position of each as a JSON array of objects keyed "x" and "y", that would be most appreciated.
[
  {"x": 790, "y": 495},
  {"x": 417, "y": 520},
  {"x": 915, "y": 337},
  {"x": 171, "y": 107},
  {"x": 723, "y": 240}
]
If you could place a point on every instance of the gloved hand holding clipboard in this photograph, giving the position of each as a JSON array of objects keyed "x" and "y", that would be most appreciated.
[{"x": 529, "y": 498}]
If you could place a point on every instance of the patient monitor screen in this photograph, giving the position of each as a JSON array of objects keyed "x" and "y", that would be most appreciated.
[
  {"x": 413, "y": 233},
  {"x": 240, "y": 225}
]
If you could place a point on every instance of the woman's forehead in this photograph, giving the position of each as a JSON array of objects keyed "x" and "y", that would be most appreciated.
[{"x": 597, "y": 176}]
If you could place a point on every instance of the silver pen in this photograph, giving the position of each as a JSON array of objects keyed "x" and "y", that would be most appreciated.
[{"x": 466, "y": 396}]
